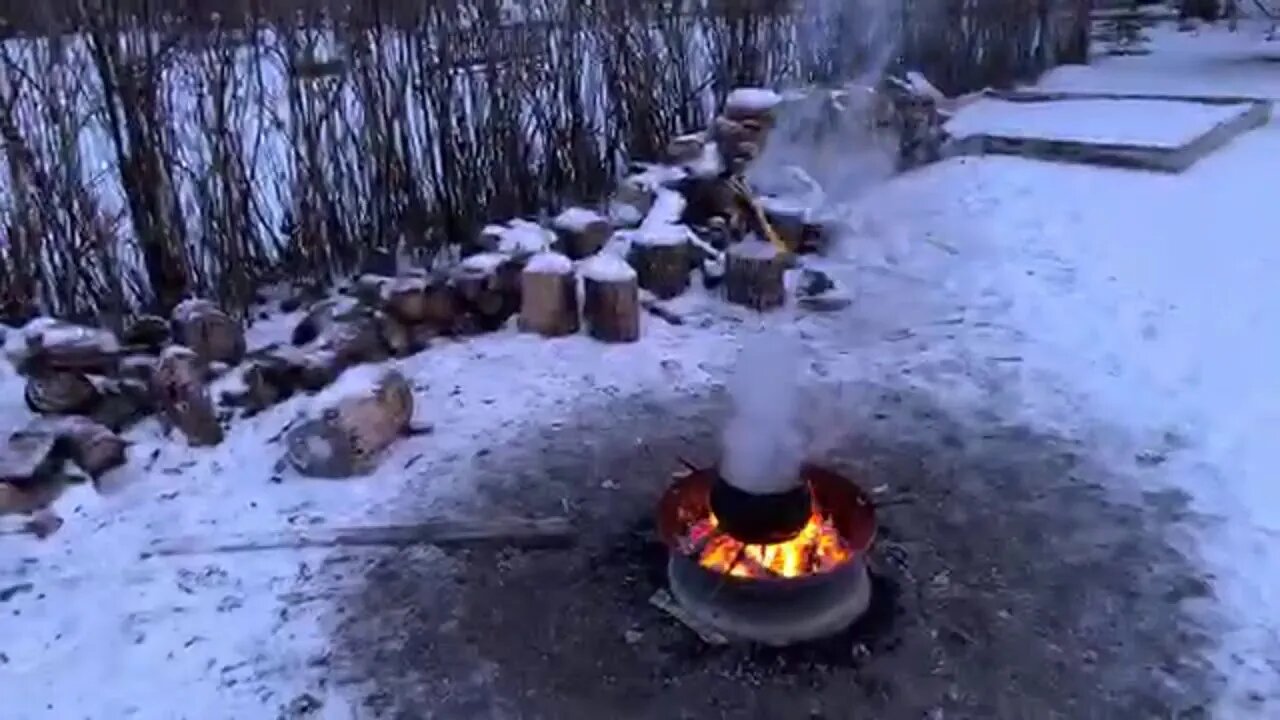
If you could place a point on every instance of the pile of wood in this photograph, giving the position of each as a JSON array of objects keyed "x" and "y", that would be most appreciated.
[{"x": 355, "y": 420}]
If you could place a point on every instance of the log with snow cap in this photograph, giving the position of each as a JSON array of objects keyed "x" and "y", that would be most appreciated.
[{"x": 759, "y": 497}]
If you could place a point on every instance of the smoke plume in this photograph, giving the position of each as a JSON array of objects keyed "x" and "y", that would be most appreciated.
[{"x": 764, "y": 444}]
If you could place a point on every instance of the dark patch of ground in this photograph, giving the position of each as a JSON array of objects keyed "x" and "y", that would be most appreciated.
[{"x": 1011, "y": 583}]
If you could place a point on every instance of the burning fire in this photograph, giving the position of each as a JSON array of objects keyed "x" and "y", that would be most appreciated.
[{"x": 818, "y": 548}]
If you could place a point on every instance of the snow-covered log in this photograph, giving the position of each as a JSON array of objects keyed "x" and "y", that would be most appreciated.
[
  {"x": 61, "y": 392},
  {"x": 360, "y": 415},
  {"x": 179, "y": 388},
  {"x": 55, "y": 345},
  {"x": 754, "y": 275},
  {"x": 549, "y": 296},
  {"x": 209, "y": 332},
  {"x": 582, "y": 232},
  {"x": 611, "y": 302},
  {"x": 487, "y": 287},
  {"x": 147, "y": 333},
  {"x": 660, "y": 256},
  {"x": 123, "y": 402},
  {"x": 91, "y": 446}
]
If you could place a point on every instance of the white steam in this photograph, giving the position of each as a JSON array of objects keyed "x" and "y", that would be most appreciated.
[{"x": 764, "y": 443}]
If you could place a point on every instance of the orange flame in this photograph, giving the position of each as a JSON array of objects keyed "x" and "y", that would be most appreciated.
[{"x": 818, "y": 548}]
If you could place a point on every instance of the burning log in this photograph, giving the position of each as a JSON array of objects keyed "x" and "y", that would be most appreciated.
[
  {"x": 363, "y": 413},
  {"x": 210, "y": 333},
  {"x": 179, "y": 388},
  {"x": 549, "y": 296},
  {"x": 61, "y": 392},
  {"x": 754, "y": 275},
  {"x": 611, "y": 303},
  {"x": 487, "y": 287},
  {"x": 660, "y": 255},
  {"x": 582, "y": 232}
]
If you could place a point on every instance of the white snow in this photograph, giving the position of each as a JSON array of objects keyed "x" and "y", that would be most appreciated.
[
  {"x": 549, "y": 263},
  {"x": 668, "y": 207},
  {"x": 622, "y": 214},
  {"x": 354, "y": 382},
  {"x": 665, "y": 235},
  {"x": 607, "y": 267},
  {"x": 653, "y": 177},
  {"x": 752, "y": 100},
  {"x": 522, "y": 237},
  {"x": 577, "y": 219},
  {"x": 708, "y": 164},
  {"x": 55, "y": 333},
  {"x": 1125, "y": 122},
  {"x": 487, "y": 262}
]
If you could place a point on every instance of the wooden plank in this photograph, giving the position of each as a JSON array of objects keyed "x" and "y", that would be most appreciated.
[{"x": 550, "y": 532}]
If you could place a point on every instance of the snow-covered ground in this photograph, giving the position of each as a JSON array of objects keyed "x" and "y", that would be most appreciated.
[
  {"x": 1147, "y": 299},
  {"x": 1122, "y": 122}
]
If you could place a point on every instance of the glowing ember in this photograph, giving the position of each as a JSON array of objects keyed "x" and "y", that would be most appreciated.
[{"x": 818, "y": 548}]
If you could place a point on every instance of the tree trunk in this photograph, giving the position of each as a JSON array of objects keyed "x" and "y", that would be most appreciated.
[
  {"x": 611, "y": 302},
  {"x": 549, "y": 296},
  {"x": 366, "y": 411},
  {"x": 754, "y": 275},
  {"x": 179, "y": 389}
]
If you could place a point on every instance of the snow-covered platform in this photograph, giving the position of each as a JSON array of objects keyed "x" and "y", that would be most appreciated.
[{"x": 1111, "y": 129}]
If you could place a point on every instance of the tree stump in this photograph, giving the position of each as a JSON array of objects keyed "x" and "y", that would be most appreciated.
[
  {"x": 549, "y": 296},
  {"x": 61, "y": 392},
  {"x": 179, "y": 389},
  {"x": 582, "y": 232},
  {"x": 660, "y": 256},
  {"x": 611, "y": 302},
  {"x": 210, "y": 333},
  {"x": 365, "y": 411},
  {"x": 754, "y": 272}
]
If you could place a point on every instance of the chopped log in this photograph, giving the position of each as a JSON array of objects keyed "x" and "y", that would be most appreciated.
[
  {"x": 138, "y": 367},
  {"x": 317, "y": 369},
  {"x": 91, "y": 446},
  {"x": 124, "y": 402},
  {"x": 148, "y": 333},
  {"x": 210, "y": 333},
  {"x": 55, "y": 392},
  {"x": 322, "y": 315},
  {"x": 685, "y": 148},
  {"x": 55, "y": 345},
  {"x": 551, "y": 532},
  {"x": 179, "y": 388},
  {"x": 362, "y": 414},
  {"x": 406, "y": 299},
  {"x": 549, "y": 296},
  {"x": 522, "y": 239},
  {"x": 29, "y": 457},
  {"x": 582, "y": 232},
  {"x": 371, "y": 289},
  {"x": 754, "y": 275},
  {"x": 757, "y": 104},
  {"x": 355, "y": 338},
  {"x": 611, "y": 299},
  {"x": 485, "y": 290},
  {"x": 660, "y": 255},
  {"x": 395, "y": 335}
]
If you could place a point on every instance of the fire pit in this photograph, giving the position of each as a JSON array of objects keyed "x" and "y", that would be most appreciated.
[{"x": 809, "y": 585}]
